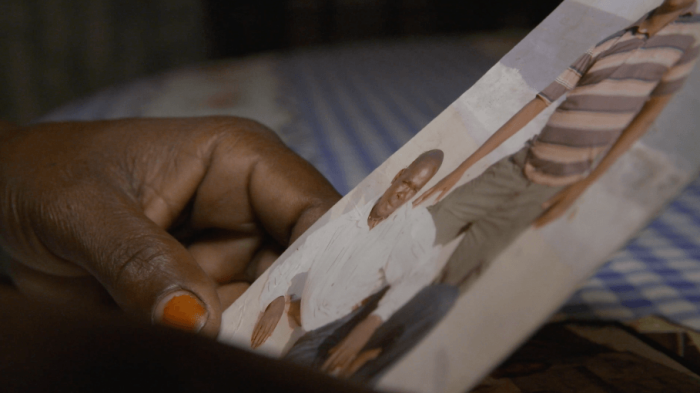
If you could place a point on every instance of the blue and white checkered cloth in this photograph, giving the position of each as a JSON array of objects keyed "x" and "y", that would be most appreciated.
[{"x": 658, "y": 273}]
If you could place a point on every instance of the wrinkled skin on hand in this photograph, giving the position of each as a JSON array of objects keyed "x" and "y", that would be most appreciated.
[
  {"x": 444, "y": 186},
  {"x": 133, "y": 211}
]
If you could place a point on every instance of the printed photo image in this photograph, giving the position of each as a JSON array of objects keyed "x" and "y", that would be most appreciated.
[
  {"x": 443, "y": 260},
  {"x": 355, "y": 277}
]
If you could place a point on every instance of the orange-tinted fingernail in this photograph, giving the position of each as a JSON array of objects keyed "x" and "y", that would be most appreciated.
[{"x": 184, "y": 311}]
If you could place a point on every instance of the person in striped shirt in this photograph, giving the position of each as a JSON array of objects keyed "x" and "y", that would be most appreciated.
[{"x": 614, "y": 92}]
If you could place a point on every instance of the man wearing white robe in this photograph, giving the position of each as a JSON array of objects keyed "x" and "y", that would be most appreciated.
[{"x": 359, "y": 270}]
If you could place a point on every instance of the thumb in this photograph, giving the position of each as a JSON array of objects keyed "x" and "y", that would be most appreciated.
[{"x": 146, "y": 271}]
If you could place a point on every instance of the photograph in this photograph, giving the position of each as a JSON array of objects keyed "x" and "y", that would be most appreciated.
[
  {"x": 445, "y": 258},
  {"x": 419, "y": 196}
]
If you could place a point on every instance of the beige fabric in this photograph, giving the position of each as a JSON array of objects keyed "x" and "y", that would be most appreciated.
[
  {"x": 492, "y": 210},
  {"x": 54, "y": 51}
]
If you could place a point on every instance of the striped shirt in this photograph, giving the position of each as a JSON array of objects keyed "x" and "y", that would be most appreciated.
[{"x": 607, "y": 87}]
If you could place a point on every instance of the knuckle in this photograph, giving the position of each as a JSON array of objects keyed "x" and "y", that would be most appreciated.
[
  {"x": 242, "y": 128},
  {"x": 136, "y": 265}
]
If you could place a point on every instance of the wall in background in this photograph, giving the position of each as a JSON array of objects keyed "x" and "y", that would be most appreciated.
[
  {"x": 54, "y": 51},
  {"x": 237, "y": 27}
]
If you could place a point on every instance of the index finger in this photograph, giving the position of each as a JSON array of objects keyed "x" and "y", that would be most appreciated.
[
  {"x": 253, "y": 177},
  {"x": 256, "y": 332}
]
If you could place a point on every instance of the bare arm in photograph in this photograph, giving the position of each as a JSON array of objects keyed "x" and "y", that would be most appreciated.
[
  {"x": 267, "y": 322},
  {"x": 561, "y": 202},
  {"x": 510, "y": 128}
]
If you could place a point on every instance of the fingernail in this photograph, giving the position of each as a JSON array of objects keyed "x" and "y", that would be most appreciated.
[{"x": 184, "y": 311}]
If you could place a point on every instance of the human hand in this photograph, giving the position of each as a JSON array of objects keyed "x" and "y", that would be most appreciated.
[
  {"x": 556, "y": 206},
  {"x": 442, "y": 187},
  {"x": 344, "y": 356},
  {"x": 359, "y": 361},
  {"x": 267, "y": 322},
  {"x": 157, "y": 216},
  {"x": 294, "y": 314}
]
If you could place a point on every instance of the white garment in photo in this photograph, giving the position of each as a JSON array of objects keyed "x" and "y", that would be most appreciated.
[{"x": 345, "y": 262}]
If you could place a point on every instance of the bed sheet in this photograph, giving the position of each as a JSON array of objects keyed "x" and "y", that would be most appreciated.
[{"x": 348, "y": 108}]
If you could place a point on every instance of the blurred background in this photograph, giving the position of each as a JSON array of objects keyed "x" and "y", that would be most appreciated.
[{"x": 55, "y": 51}]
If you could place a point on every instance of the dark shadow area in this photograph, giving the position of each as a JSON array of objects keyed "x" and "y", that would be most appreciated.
[
  {"x": 69, "y": 350},
  {"x": 238, "y": 28},
  {"x": 56, "y": 51}
]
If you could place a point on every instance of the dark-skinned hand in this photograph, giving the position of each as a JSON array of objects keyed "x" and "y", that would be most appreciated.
[{"x": 161, "y": 217}]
